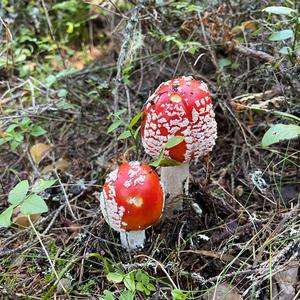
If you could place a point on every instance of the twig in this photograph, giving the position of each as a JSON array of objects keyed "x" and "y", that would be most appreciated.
[
  {"x": 260, "y": 55},
  {"x": 128, "y": 33},
  {"x": 162, "y": 268},
  {"x": 47, "y": 254},
  {"x": 286, "y": 218},
  {"x": 65, "y": 195}
]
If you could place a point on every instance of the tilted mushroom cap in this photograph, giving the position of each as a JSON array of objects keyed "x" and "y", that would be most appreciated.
[
  {"x": 132, "y": 197},
  {"x": 179, "y": 107}
]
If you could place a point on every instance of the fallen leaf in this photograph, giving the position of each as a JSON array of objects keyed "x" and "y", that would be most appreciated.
[
  {"x": 39, "y": 151},
  {"x": 22, "y": 220},
  {"x": 60, "y": 165},
  {"x": 249, "y": 25},
  {"x": 65, "y": 284},
  {"x": 2, "y": 134},
  {"x": 287, "y": 281},
  {"x": 223, "y": 291}
]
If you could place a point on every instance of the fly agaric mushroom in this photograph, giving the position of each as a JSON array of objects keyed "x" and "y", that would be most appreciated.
[
  {"x": 179, "y": 107},
  {"x": 131, "y": 201}
]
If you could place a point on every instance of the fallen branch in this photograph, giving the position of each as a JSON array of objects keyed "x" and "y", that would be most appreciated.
[{"x": 260, "y": 55}]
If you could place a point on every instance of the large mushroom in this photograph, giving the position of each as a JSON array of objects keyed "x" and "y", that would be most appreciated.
[
  {"x": 131, "y": 201},
  {"x": 178, "y": 107}
]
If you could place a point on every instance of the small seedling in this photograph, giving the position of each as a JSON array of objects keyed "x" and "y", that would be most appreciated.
[
  {"x": 161, "y": 160},
  {"x": 179, "y": 295},
  {"x": 137, "y": 280},
  {"x": 27, "y": 198},
  {"x": 289, "y": 33},
  {"x": 15, "y": 132},
  {"x": 132, "y": 128}
]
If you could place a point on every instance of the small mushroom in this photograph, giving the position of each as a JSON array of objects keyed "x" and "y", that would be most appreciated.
[
  {"x": 179, "y": 107},
  {"x": 131, "y": 201}
]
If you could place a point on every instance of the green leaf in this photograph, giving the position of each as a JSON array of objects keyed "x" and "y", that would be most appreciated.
[
  {"x": 50, "y": 80},
  {"x": 281, "y": 35},
  {"x": 18, "y": 137},
  {"x": 3, "y": 141},
  {"x": 135, "y": 119},
  {"x": 25, "y": 122},
  {"x": 124, "y": 135},
  {"x": 14, "y": 144},
  {"x": 34, "y": 204},
  {"x": 127, "y": 295},
  {"x": 178, "y": 295},
  {"x": 62, "y": 93},
  {"x": 136, "y": 132},
  {"x": 11, "y": 128},
  {"x": 5, "y": 217},
  {"x": 37, "y": 131},
  {"x": 158, "y": 160},
  {"x": 280, "y": 132},
  {"x": 151, "y": 287},
  {"x": 115, "y": 277},
  {"x": 65, "y": 5},
  {"x": 285, "y": 50},
  {"x": 224, "y": 62},
  {"x": 107, "y": 295},
  {"x": 70, "y": 27},
  {"x": 278, "y": 10},
  {"x": 142, "y": 277},
  {"x": 140, "y": 287},
  {"x": 18, "y": 193},
  {"x": 42, "y": 185},
  {"x": 129, "y": 281},
  {"x": 286, "y": 115},
  {"x": 155, "y": 163},
  {"x": 120, "y": 112},
  {"x": 116, "y": 124},
  {"x": 173, "y": 141}
]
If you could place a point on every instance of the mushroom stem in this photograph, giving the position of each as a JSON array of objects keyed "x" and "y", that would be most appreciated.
[
  {"x": 133, "y": 239},
  {"x": 175, "y": 181}
]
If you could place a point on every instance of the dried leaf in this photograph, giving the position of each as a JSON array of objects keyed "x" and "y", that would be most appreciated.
[
  {"x": 249, "y": 25},
  {"x": 60, "y": 165},
  {"x": 39, "y": 151},
  {"x": 287, "y": 281},
  {"x": 223, "y": 291},
  {"x": 22, "y": 220},
  {"x": 257, "y": 101},
  {"x": 2, "y": 134}
]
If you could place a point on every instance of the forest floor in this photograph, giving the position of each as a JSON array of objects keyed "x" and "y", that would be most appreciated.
[{"x": 66, "y": 69}]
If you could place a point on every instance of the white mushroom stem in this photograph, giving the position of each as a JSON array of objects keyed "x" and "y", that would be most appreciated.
[
  {"x": 175, "y": 181},
  {"x": 132, "y": 240}
]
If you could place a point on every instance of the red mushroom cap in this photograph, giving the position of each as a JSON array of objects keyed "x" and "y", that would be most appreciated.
[
  {"x": 179, "y": 107},
  {"x": 132, "y": 197}
]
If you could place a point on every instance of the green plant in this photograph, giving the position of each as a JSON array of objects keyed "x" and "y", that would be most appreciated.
[
  {"x": 281, "y": 132},
  {"x": 161, "y": 161},
  {"x": 179, "y": 295},
  {"x": 16, "y": 131},
  {"x": 87, "y": 287},
  {"x": 289, "y": 28},
  {"x": 189, "y": 46},
  {"x": 132, "y": 128},
  {"x": 131, "y": 131},
  {"x": 134, "y": 281},
  {"x": 27, "y": 198}
]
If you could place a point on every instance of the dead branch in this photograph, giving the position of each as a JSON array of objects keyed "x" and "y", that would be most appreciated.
[{"x": 260, "y": 55}]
